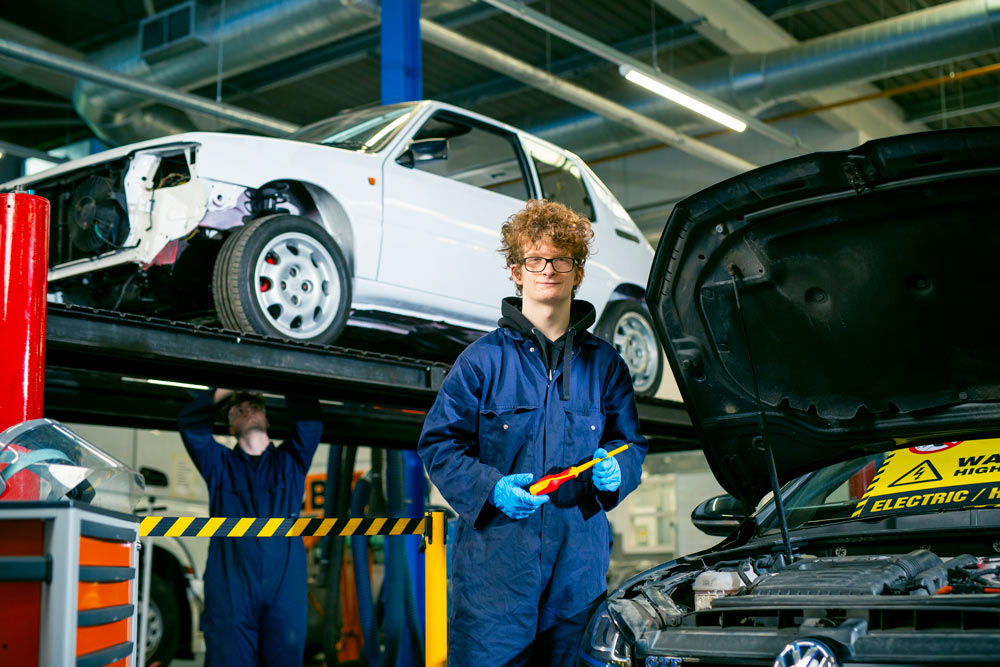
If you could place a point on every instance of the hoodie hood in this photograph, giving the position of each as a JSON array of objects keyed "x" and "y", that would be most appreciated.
[{"x": 582, "y": 315}]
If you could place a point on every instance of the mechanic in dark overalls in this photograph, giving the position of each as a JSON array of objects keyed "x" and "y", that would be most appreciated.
[
  {"x": 255, "y": 588},
  {"x": 532, "y": 398}
]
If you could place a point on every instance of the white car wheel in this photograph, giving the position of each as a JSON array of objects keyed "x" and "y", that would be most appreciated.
[
  {"x": 283, "y": 276},
  {"x": 626, "y": 325}
]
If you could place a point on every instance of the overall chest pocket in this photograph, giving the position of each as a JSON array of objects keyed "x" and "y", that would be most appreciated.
[
  {"x": 584, "y": 427},
  {"x": 581, "y": 436},
  {"x": 503, "y": 433}
]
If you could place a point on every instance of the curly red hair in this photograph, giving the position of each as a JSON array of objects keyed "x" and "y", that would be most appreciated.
[{"x": 543, "y": 220}]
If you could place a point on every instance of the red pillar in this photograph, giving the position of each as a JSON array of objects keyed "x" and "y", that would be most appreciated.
[{"x": 24, "y": 261}]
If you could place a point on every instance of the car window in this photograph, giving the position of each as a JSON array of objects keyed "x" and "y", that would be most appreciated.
[
  {"x": 831, "y": 493},
  {"x": 366, "y": 130},
  {"x": 561, "y": 179},
  {"x": 477, "y": 156}
]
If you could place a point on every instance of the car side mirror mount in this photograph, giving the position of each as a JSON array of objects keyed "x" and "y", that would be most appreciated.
[
  {"x": 424, "y": 151},
  {"x": 719, "y": 516}
]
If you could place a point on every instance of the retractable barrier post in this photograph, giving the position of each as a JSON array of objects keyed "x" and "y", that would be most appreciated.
[
  {"x": 432, "y": 527},
  {"x": 436, "y": 596}
]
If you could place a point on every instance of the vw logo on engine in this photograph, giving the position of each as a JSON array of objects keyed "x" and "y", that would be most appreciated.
[{"x": 807, "y": 653}]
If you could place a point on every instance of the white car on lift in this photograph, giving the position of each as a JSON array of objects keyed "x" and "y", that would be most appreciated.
[{"x": 386, "y": 212}]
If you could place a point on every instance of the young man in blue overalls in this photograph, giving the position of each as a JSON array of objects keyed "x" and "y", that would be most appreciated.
[{"x": 535, "y": 396}]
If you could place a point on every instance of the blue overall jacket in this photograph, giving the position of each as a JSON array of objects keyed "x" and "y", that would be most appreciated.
[
  {"x": 522, "y": 590},
  {"x": 255, "y": 588}
]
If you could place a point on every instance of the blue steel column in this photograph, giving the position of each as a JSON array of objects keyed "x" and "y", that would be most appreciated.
[
  {"x": 402, "y": 70},
  {"x": 402, "y": 81}
]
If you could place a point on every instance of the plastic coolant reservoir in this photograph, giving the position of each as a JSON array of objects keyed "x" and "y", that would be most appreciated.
[{"x": 714, "y": 584}]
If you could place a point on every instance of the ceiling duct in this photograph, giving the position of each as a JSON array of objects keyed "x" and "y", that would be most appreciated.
[
  {"x": 752, "y": 81},
  {"x": 252, "y": 33}
]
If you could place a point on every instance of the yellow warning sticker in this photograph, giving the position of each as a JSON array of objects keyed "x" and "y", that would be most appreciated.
[{"x": 943, "y": 476}]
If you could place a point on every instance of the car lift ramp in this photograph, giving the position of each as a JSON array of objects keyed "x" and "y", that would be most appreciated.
[{"x": 104, "y": 367}]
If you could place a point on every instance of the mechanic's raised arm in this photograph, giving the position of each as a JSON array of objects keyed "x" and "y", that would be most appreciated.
[
  {"x": 448, "y": 444},
  {"x": 195, "y": 426},
  {"x": 307, "y": 429}
]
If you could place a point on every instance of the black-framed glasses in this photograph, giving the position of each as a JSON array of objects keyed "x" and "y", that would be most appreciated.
[{"x": 559, "y": 264}]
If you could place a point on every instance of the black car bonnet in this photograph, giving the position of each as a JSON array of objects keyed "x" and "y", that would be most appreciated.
[{"x": 855, "y": 292}]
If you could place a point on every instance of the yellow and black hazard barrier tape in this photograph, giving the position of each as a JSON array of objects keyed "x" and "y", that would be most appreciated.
[{"x": 190, "y": 526}]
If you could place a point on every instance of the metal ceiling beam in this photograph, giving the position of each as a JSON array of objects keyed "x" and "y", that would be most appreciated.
[
  {"x": 152, "y": 91},
  {"x": 904, "y": 43},
  {"x": 45, "y": 79},
  {"x": 486, "y": 56},
  {"x": 573, "y": 36},
  {"x": 736, "y": 26},
  {"x": 23, "y": 151}
]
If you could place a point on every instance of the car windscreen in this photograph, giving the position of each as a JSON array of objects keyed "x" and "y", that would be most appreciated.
[
  {"x": 366, "y": 130},
  {"x": 911, "y": 480}
]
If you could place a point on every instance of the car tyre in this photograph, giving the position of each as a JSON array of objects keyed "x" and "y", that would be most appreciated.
[
  {"x": 282, "y": 276},
  {"x": 163, "y": 633},
  {"x": 626, "y": 324}
]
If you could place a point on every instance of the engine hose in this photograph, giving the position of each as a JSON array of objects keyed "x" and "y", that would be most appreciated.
[{"x": 362, "y": 577}]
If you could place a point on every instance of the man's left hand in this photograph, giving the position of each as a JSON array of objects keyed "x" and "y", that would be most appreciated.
[{"x": 607, "y": 474}]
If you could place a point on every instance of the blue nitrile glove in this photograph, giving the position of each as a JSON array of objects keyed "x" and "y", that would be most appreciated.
[
  {"x": 607, "y": 474},
  {"x": 514, "y": 501}
]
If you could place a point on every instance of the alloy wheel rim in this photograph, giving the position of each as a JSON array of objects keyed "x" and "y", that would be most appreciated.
[
  {"x": 296, "y": 285},
  {"x": 154, "y": 630},
  {"x": 635, "y": 341}
]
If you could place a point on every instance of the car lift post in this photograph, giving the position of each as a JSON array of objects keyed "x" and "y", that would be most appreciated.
[{"x": 24, "y": 261}]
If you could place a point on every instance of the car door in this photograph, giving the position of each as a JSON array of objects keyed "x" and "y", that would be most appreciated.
[{"x": 442, "y": 215}]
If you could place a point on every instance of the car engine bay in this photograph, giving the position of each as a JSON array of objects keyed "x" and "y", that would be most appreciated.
[{"x": 870, "y": 605}]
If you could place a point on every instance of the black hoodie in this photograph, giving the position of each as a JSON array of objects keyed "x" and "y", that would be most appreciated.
[{"x": 581, "y": 315}]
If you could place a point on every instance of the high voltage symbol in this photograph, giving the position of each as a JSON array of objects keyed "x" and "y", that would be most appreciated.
[{"x": 922, "y": 472}]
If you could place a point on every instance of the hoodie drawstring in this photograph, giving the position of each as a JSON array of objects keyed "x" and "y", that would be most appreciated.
[{"x": 567, "y": 357}]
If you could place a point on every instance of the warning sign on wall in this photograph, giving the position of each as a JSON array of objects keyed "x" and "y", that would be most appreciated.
[{"x": 944, "y": 476}]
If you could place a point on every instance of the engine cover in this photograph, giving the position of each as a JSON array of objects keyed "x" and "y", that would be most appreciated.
[{"x": 856, "y": 575}]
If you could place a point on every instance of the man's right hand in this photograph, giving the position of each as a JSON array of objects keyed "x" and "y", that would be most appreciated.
[
  {"x": 220, "y": 395},
  {"x": 510, "y": 498}
]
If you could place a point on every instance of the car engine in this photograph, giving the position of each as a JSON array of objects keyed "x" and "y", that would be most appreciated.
[{"x": 872, "y": 607}]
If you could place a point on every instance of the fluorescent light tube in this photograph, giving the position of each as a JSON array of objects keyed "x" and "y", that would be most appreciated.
[
  {"x": 682, "y": 98},
  {"x": 182, "y": 385}
]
